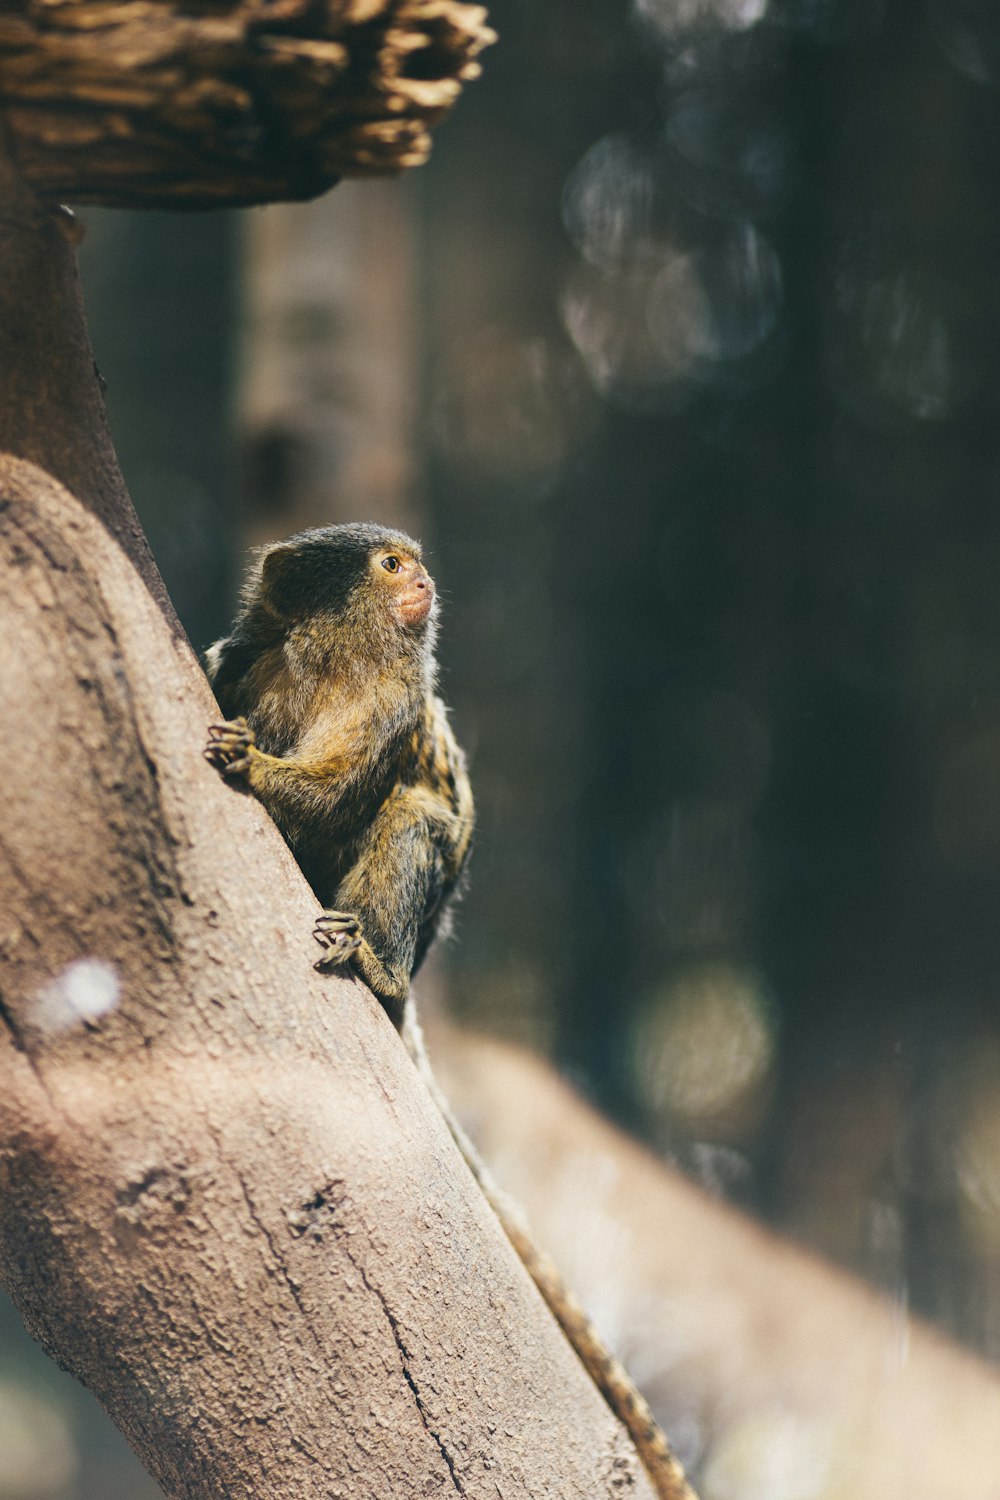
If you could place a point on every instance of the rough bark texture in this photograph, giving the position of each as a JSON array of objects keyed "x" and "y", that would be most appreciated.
[
  {"x": 226, "y": 1202},
  {"x": 763, "y": 1360},
  {"x": 206, "y": 102}
]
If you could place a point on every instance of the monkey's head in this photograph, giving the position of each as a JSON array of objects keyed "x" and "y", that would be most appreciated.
[{"x": 358, "y": 575}]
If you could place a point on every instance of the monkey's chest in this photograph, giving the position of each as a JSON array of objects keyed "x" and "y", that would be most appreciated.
[{"x": 329, "y": 845}]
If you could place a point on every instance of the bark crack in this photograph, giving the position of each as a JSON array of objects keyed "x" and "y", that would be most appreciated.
[
  {"x": 7, "y": 1018},
  {"x": 408, "y": 1376},
  {"x": 269, "y": 1240},
  {"x": 265, "y": 1233},
  {"x": 390, "y": 1317}
]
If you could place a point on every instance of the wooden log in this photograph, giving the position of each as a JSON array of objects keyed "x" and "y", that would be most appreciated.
[{"x": 207, "y": 103}]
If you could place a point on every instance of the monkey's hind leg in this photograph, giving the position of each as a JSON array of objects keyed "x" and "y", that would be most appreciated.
[
  {"x": 387, "y": 898},
  {"x": 340, "y": 936}
]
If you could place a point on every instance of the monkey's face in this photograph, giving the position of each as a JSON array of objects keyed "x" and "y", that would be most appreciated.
[{"x": 407, "y": 585}]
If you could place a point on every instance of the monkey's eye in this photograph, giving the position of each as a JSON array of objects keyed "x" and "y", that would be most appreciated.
[{"x": 391, "y": 564}]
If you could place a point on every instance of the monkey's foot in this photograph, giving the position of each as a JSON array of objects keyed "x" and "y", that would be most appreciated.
[
  {"x": 229, "y": 746},
  {"x": 339, "y": 934}
]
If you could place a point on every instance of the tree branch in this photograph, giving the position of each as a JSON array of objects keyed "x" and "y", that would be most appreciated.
[{"x": 227, "y": 101}]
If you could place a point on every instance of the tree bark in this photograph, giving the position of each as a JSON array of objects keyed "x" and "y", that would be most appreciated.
[
  {"x": 226, "y": 1201},
  {"x": 207, "y": 102}
]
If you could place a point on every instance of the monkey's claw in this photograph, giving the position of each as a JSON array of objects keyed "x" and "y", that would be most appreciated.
[
  {"x": 229, "y": 746},
  {"x": 339, "y": 934}
]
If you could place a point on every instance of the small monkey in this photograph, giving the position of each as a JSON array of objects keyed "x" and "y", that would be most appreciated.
[
  {"x": 327, "y": 684},
  {"x": 328, "y": 681}
]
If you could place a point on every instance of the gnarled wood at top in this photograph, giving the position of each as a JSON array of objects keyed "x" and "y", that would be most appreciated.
[{"x": 204, "y": 103}]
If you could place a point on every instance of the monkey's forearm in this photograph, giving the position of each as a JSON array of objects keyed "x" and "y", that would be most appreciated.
[
  {"x": 297, "y": 793},
  {"x": 293, "y": 790}
]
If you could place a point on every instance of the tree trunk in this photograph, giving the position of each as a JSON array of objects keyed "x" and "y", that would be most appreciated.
[{"x": 226, "y": 1201}]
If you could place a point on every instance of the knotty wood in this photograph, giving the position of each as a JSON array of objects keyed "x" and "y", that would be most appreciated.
[{"x": 199, "y": 103}]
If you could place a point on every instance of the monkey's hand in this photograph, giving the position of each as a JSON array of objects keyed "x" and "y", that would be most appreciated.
[
  {"x": 339, "y": 935},
  {"x": 229, "y": 747}
]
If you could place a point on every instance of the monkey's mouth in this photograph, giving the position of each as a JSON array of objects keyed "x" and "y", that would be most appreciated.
[{"x": 416, "y": 604}]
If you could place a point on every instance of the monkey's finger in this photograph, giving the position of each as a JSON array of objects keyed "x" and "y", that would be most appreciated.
[
  {"x": 331, "y": 961},
  {"x": 227, "y": 760},
  {"x": 335, "y": 946},
  {"x": 231, "y": 729},
  {"x": 332, "y": 922},
  {"x": 339, "y": 937},
  {"x": 233, "y": 741},
  {"x": 235, "y": 767},
  {"x": 330, "y": 942}
]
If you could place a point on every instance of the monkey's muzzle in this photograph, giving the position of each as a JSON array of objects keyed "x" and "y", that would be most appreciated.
[{"x": 417, "y": 599}]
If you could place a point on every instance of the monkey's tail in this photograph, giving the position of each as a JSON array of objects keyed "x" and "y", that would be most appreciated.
[{"x": 608, "y": 1374}]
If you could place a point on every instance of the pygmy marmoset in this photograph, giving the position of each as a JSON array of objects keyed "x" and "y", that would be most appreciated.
[{"x": 328, "y": 676}]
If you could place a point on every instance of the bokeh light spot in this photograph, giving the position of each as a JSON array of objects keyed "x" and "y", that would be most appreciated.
[
  {"x": 608, "y": 203},
  {"x": 37, "y": 1452},
  {"x": 674, "y": 17},
  {"x": 704, "y": 1048},
  {"x": 608, "y": 319},
  {"x": 969, "y": 33},
  {"x": 891, "y": 346},
  {"x": 770, "y": 1456},
  {"x": 740, "y": 280}
]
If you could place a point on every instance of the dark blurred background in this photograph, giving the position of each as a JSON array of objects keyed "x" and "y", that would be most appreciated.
[{"x": 683, "y": 356}]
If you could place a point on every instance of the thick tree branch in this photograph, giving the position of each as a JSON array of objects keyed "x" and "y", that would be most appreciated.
[
  {"x": 154, "y": 102},
  {"x": 226, "y": 1202}
]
